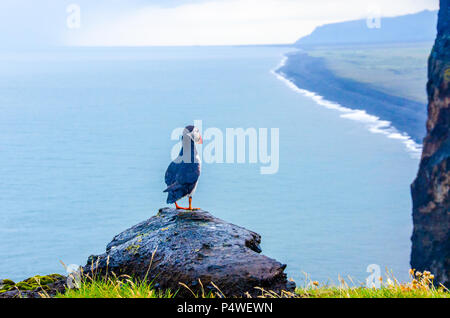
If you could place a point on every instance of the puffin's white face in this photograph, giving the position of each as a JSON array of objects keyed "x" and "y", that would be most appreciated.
[{"x": 194, "y": 135}]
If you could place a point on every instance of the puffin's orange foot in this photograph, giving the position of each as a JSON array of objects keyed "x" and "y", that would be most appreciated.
[
  {"x": 190, "y": 208},
  {"x": 190, "y": 205},
  {"x": 179, "y": 207}
]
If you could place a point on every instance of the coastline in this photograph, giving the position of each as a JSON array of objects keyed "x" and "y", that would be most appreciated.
[{"x": 395, "y": 117}]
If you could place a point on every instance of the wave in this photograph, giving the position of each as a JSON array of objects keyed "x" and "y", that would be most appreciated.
[{"x": 373, "y": 123}]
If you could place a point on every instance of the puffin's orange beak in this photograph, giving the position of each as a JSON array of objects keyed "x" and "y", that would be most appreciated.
[{"x": 200, "y": 141}]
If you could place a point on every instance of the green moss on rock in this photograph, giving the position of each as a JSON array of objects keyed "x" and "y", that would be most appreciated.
[
  {"x": 6, "y": 285},
  {"x": 43, "y": 280},
  {"x": 31, "y": 283},
  {"x": 7, "y": 282},
  {"x": 25, "y": 286}
]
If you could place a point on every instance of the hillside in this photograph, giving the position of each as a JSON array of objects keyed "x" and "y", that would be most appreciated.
[
  {"x": 419, "y": 27},
  {"x": 398, "y": 69}
]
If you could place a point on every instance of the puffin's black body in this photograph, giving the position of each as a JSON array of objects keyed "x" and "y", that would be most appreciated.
[{"x": 183, "y": 173}]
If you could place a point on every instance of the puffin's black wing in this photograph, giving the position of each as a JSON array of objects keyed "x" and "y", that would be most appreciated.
[
  {"x": 188, "y": 173},
  {"x": 171, "y": 173},
  {"x": 181, "y": 179}
]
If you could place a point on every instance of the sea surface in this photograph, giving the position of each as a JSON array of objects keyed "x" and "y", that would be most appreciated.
[{"x": 85, "y": 138}]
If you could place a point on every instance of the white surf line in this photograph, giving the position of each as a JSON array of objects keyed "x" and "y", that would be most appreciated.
[{"x": 373, "y": 123}]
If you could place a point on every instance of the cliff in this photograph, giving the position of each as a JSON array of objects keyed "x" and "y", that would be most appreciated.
[
  {"x": 193, "y": 248},
  {"x": 430, "y": 190},
  {"x": 418, "y": 27}
]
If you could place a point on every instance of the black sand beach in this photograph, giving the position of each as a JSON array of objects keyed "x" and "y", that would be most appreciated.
[{"x": 311, "y": 73}]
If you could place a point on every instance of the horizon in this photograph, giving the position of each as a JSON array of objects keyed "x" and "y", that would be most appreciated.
[{"x": 157, "y": 23}]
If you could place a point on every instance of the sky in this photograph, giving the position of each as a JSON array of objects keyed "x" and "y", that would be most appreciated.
[{"x": 181, "y": 22}]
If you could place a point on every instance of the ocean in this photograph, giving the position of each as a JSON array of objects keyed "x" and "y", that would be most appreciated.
[{"x": 85, "y": 138}]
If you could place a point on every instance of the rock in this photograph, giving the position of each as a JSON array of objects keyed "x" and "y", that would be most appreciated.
[
  {"x": 430, "y": 190},
  {"x": 184, "y": 247},
  {"x": 33, "y": 287}
]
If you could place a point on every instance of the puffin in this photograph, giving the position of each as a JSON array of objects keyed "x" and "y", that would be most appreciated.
[{"x": 183, "y": 173}]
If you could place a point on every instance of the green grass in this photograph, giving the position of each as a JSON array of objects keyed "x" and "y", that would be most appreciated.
[
  {"x": 395, "y": 69},
  {"x": 112, "y": 287},
  {"x": 417, "y": 288},
  {"x": 324, "y": 292}
]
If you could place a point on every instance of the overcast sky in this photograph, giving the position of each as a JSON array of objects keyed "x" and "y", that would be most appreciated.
[{"x": 183, "y": 22}]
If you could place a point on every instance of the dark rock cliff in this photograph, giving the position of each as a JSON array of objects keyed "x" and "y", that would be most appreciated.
[
  {"x": 430, "y": 190},
  {"x": 176, "y": 247}
]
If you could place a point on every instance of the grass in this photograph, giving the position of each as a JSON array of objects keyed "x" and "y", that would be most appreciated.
[
  {"x": 115, "y": 287},
  {"x": 396, "y": 69},
  {"x": 420, "y": 286}
]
